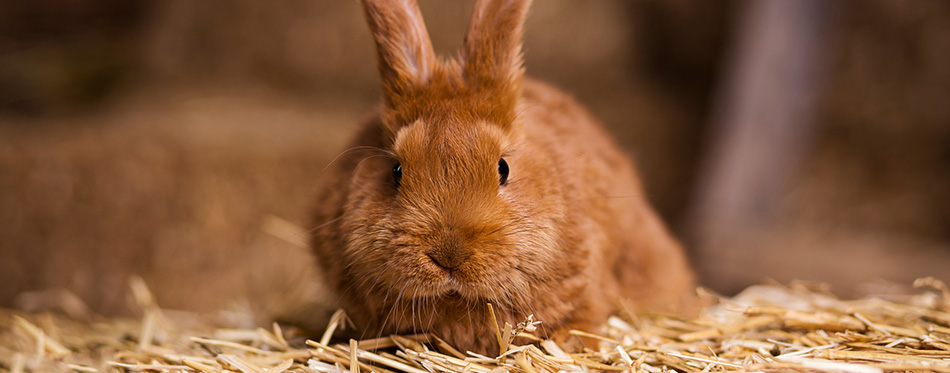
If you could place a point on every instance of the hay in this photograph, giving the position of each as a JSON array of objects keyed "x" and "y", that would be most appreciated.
[{"x": 765, "y": 328}]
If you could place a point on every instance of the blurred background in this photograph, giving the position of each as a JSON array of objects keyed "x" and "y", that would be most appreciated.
[{"x": 181, "y": 140}]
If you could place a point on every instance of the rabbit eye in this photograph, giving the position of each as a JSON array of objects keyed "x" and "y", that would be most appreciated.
[
  {"x": 397, "y": 173},
  {"x": 503, "y": 171}
]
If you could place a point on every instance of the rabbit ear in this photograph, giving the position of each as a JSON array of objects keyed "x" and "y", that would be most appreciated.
[
  {"x": 491, "y": 52},
  {"x": 406, "y": 58}
]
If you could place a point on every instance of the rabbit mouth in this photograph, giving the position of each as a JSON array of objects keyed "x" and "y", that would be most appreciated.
[
  {"x": 453, "y": 295},
  {"x": 454, "y": 285},
  {"x": 460, "y": 296},
  {"x": 449, "y": 286},
  {"x": 454, "y": 289}
]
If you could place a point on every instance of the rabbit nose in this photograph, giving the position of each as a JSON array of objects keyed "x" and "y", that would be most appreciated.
[
  {"x": 449, "y": 255},
  {"x": 447, "y": 259},
  {"x": 444, "y": 261}
]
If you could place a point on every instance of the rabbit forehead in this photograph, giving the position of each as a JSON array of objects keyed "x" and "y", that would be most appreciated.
[
  {"x": 450, "y": 142},
  {"x": 450, "y": 173}
]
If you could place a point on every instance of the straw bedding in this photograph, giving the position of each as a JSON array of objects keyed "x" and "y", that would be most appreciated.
[{"x": 765, "y": 328}]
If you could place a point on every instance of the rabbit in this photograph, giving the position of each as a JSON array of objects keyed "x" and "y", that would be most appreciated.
[{"x": 473, "y": 184}]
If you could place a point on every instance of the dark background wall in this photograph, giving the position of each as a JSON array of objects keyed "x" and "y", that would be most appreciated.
[{"x": 174, "y": 139}]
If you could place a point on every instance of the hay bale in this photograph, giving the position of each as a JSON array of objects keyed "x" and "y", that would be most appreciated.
[{"x": 764, "y": 328}]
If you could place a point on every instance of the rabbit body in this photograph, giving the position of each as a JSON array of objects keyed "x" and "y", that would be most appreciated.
[{"x": 475, "y": 185}]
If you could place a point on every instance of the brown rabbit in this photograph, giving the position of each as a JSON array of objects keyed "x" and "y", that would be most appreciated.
[{"x": 475, "y": 185}]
